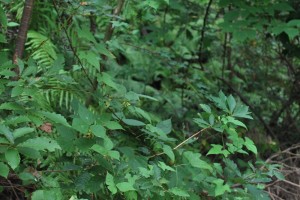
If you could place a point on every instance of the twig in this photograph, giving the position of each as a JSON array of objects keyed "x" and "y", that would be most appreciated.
[
  {"x": 183, "y": 142},
  {"x": 13, "y": 189},
  {"x": 70, "y": 44}
]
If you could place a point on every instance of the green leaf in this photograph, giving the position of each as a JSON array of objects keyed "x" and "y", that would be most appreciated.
[
  {"x": 294, "y": 22},
  {"x": 206, "y": 108},
  {"x": 250, "y": 145},
  {"x": 57, "y": 118},
  {"x": 169, "y": 152},
  {"x": 109, "y": 180},
  {"x": 41, "y": 143},
  {"x": 13, "y": 158},
  {"x": 146, "y": 172},
  {"x": 114, "y": 154},
  {"x": 3, "y": 18},
  {"x": 153, "y": 4},
  {"x": 112, "y": 125},
  {"x": 85, "y": 115},
  {"x": 257, "y": 194},
  {"x": 22, "y": 131},
  {"x": 11, "y": 106},
  {"x": 99, "y": 149},
  {"x": 133, "y": 122},
  {"x": 99, "y": 131},
  {"x": 179, "y": 192},
  {"x": 231, "y": 103},
  {"x": 7, "y": 133},
  {"x": 16, "y": 91},
  {"x": 242, "y": 112},
  {"x": 291, "y": 32},
  {"x": 164, "y": 167},
  {"x": 195, "y": 161},
  {"x": 80, "y": 125},
  {"x": 236, "y": 122},
  {"x": 102, "y": 50},
  {"x": 217, "y": 149},
  {"x": 165, "y": 126},
  {"x": 220, "y": 189},
  {"x": 125, "y": 186},
  {"x": 4, "y": 170}
]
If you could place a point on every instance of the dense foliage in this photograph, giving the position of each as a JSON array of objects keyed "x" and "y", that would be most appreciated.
[{"x": 132, "y": 99}]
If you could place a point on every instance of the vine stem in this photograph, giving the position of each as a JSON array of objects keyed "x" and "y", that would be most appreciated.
[{"x": 183, "y": 142}]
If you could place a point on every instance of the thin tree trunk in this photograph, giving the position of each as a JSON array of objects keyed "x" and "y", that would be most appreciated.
[
  {"x": 107, "y": 37},
  {"x": 22, "y": 35}
]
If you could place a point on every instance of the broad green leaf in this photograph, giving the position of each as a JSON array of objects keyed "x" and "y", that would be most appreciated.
[
  {"x": 40, "y": 144},
  {"x": 22, "y": 131},
  {"x": 3, "y": 18},
  {"x": 85, "y": 34},
  {"x": 152, "y": 3},
  {"x": 109, "y": 180},
  {"x": 99, "y": 149},
  {"x": 16, "y": 91},
  {"x": 7, "y": 133},
  {"x": 57, "y": 118},
  {"x": 133, "y": 122},
  {"x": 140, "y": 113},
  {"x": 291, "y": 32},
  {"x": 146, "y": 172},
  {"x": 98, "y": 131},
  {"x": 12, "y": 24},
  {"x": 80, "y": 125},
  {"x": 13, "y": 158},
  {"x": 279, "y": 175},
  {"x": 108, "y": 80},
  {"x": 112, "y": 125},
  {"x": 164, "y": 167},
  {"x": 236, "y": 122},
  {"x": 294, "y": 22},
  {"x": 4, "y": 170},
  {"x": 102, "y": 50},
  {"x": 169, "y": 152},
  {"x": 165, "y": 126},
  {"x": 114, "y": 154},
  {"x": 231, "y": 103},
  {"x": 242, "y": 111},
  {"x": 195, "y": 161},
  {"x": 257, "y": 194},
  {"x": 10, "y": 106},
  {"x": 179, "y": 192},
  {"x": 250, "y": 145},
  {"x": 217, "y": 149},
  {"x": 202, "y": 123},
  {"x": 85, "y": 115},
  {"x": 220, "y": 189},
  {"x": 125, "y": 186},
  {"x": 206, "y": 108}
]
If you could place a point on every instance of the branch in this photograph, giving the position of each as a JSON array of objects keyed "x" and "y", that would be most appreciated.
[
  {"x": 22, "y": 35},
  {"x": 70, "y": 44},
  {"x": 182, "y": 143},
  {"x": 110, "y": 28},
  {"x": 203, "y": 30},
  {"x": 267, "y": 127}
]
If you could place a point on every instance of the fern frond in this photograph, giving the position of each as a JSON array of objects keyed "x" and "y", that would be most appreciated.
[{"x": 42, "y": 48}]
